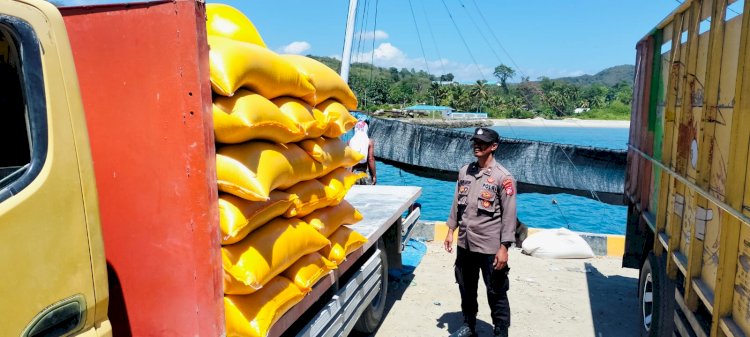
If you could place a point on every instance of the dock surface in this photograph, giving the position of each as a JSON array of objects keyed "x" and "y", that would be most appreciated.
[{"x": 579, "y": 298}]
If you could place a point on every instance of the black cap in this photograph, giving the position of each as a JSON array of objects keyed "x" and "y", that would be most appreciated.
[{"x": 486, "y": 135}]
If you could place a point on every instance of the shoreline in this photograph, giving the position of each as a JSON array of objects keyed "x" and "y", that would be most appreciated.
[{"x": 568, "y": 122}]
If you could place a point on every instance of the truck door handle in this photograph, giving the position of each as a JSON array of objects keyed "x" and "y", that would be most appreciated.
[{"x": 58, "y": 319}]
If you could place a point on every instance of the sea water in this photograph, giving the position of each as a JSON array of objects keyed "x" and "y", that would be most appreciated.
[{"x": 536, "y": 210}]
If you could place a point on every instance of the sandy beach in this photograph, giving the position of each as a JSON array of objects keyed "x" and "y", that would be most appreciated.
[{"x": 568, "y": 122}]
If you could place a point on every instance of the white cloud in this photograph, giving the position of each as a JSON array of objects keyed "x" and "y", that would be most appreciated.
[
  {"x": 370, "y": 35},
  {"x": 388, "y": 55},
  {"x": 296, "y": 47}
]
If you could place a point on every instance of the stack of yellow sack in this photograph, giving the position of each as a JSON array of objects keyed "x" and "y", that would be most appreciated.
[{"x": 282, "y": 172}]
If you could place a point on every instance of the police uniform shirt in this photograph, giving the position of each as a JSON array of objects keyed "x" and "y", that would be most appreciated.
[{"x": 484, "y": 208}]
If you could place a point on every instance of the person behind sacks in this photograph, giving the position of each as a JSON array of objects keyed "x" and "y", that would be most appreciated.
[
  {"x": 362, "y": 143},
  {"x": 484, "y": 212}
]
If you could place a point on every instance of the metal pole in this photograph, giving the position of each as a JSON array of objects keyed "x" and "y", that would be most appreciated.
[{"x": 347, "y": 56}]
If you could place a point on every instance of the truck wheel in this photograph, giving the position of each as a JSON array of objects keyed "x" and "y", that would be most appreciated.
[
  {"x": 373, "y": 314},
  {"x": 656, "y": 298}
]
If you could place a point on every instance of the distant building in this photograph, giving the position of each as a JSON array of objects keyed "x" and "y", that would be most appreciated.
[
  {"x": 444, "y": 112},
  {"x": 580, "y": 110},
  {"x": 428, "y": 110},
  {"x": 467, "y": 115}
]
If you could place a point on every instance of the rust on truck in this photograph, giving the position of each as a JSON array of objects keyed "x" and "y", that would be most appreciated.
[{"x": 687, "y": 185}]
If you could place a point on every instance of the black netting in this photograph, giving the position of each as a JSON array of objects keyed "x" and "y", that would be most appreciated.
[{"x": 538, "y": 166}]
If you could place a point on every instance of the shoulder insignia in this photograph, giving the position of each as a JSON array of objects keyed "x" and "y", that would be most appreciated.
[{"x": 508, "y": 186}]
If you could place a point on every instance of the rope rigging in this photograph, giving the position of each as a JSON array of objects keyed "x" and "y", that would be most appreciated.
[
  {"x": 429, "y": 28},
  {"x": 419, "y": 37},
  {"x": 463, "y": 40},
  {"x": 473, "y": 22}
]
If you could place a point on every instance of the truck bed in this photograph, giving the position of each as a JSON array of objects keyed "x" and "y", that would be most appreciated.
[{"x": 381, "y": 207}]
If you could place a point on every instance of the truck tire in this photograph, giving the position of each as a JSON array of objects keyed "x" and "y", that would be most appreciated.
[
  {"x": 655, "y": 298},
  {"x": 373, "y": 315}
]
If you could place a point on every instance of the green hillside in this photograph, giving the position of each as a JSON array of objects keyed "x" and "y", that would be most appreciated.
[
  {"x": 606, "y": 95},
  {"x": 609, "y": 77}
]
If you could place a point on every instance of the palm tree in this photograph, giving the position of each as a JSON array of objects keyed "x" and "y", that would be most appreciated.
[
  {"x": 480, "y": 93},
  {"x": 435, "y": 92}
]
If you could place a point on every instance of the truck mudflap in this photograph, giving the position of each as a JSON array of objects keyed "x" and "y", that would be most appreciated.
[{"x": 339, "y": 316}]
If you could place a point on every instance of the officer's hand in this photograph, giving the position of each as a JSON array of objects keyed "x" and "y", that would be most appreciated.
[
  {"x": 501, "y": 258},
  {"x": 374, "y": 180},
  {"x": 448, "y": 243}
]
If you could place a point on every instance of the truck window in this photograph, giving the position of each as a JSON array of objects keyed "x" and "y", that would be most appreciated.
[{"x": 22, "y": 107}]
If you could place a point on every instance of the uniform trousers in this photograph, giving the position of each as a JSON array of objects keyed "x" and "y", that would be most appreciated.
[{"x": 467, "y": 269}]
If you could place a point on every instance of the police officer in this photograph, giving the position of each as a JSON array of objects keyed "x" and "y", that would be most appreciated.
[{"x": 484, "y": 211}]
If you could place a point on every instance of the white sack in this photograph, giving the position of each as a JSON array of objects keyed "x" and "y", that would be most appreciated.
[{"x": 558, "y": 243}]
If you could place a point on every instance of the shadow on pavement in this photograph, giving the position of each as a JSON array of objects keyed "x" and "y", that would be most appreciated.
[
  {"x": 396, "y": 289},
  {"x": 454, "y": 320},
  {"x": 614, "y": 304}
]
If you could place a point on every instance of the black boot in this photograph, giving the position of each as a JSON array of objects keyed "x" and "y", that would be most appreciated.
[{"x": 500, "y": 331}]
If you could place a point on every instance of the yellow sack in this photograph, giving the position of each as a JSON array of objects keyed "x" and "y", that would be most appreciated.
[
  {"x": 310, "y": 195},
  {"x": 341, "y": 180},
  {"x": 328, "y": 220},
  {"x": 238, "y": 217},
  {"x": 339, "y": 119},
  {"x": 254, "y": 315},
  {"x": 328, "y": 84},
  {"x": 247, "y": 115},
  {"x": 235, "y": 64},
  {"x": 308, "y": 270},
  {"x": 344, "y": 241},
  {"x": 252, "y": 170},
  {"x": 266, "y": 252},
  {"x": 331, "y": 152},
  {"x": 312, "y": 120},
  {"x": 227, "y": 21}
]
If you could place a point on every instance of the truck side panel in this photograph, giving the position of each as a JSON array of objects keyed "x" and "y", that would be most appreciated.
[
  {"x": 701, "y": 220},
  {"x": 143, "y": 73}
]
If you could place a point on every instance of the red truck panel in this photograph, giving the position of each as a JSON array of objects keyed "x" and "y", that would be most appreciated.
[{"x": 143, "y": 73}]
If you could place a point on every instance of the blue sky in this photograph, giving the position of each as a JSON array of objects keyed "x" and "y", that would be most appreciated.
[{"x": 536, "y": 37}]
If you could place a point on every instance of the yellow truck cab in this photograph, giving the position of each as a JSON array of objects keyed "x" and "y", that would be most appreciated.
[{"x": 54, "y": 272}]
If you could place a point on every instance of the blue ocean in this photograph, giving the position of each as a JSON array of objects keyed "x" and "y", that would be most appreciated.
[{"x": 535, "y": 210}]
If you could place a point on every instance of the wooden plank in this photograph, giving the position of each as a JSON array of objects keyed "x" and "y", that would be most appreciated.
[
  {"x": 724, "y": 119},
  {"x": 689, "y": 316},
  {"x": 681, "y": 326},
  {"x": 730, "y": 329},
  {"x": 741, "y": 296},
  {"x": 705, "y": 293},
  {"x": 704, "y": 84},
  {"x": 735, "y": 187},
  {"x": 672, "y": 116},
  {"x": 655, "y": 121},
  {"x": 646, "y": 131},
  {"x": 680, "y": 261},
  {"x": 667, "y": 121}
]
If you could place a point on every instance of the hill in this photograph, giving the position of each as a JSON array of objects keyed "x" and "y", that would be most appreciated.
[{"x": 608, "y": 77}]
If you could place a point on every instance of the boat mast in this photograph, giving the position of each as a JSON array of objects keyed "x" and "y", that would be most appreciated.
[{"x": 347, "y": 56}]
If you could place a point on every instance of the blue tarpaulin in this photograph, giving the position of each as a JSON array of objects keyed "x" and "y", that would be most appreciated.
[{"x": 410, "y": 258}]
